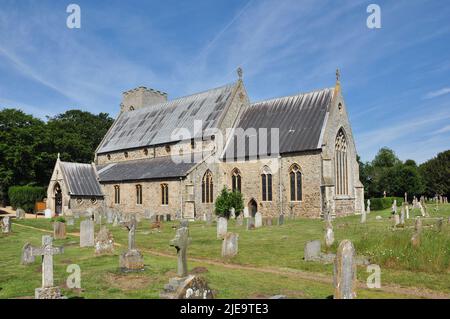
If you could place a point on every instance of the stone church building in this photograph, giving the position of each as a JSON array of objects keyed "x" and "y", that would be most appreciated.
[{"x": 291, "y": 155}]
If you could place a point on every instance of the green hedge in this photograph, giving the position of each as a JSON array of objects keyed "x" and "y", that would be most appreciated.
[
  {"x": 25, "y": 197},
  {"x": 384, "y": 202}
]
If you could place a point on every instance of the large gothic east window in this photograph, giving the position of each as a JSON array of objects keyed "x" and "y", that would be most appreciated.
[
  {"x": 207, "y": 187},
  {"x": 341, "y": 167}
]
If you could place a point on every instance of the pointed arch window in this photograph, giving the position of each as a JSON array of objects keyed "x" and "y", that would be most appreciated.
[
  {"x": 266, "y": 184},
  {"x": 164, "y": 194},
  {"x": 295, "y": 181},
  {"x": 116, "y": 194},
  {"x": 207, "y": 187},
  {"x": 236, "y": 180},
  {"x": 341, "y": 166}
]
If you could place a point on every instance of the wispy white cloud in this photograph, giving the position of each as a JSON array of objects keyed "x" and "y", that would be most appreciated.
[
  {"x": 437, "y": 93},
  {"x": 442, "y": 130}
]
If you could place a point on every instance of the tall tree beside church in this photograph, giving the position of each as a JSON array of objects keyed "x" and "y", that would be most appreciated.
[
  {"x": 19, "y": 134},
  {"x": 436, "y": 174}
]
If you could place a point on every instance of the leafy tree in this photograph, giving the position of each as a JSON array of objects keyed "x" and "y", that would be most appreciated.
[
  {"x": 237, "y": 202},
  {"x": 385, "y": 158},
  {"x": 436, "y": 174},
  {"x": 223, "y": 203}
]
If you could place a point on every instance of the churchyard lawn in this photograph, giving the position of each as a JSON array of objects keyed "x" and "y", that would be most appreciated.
[{"x": 269, "y": 262}]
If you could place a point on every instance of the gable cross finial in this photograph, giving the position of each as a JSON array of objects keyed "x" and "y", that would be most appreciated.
[
  {"x": 58, "y": 156},
  {"x": 338, "y": 75},
  {"x": 239, "y": 73}
]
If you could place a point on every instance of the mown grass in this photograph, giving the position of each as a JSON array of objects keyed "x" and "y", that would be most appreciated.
[{"x": 275, "y": 247}]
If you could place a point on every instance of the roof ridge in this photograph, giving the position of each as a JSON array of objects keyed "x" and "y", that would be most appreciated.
[
  {"x": 289, "y": 96},
  {"x": 65, "y": 162}
]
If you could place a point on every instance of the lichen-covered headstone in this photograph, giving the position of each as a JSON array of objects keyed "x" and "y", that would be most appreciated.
[
  {"x": 104, "y": 243},
  {"x": 6, "y": 225},
  {"x": 27, "y": 257},
  {"x": 87, "y": 233},
  {"x": 250, "y": 223},
  {"x": 415, "y": 239},
  {"x": 258, "y": 220},
  {"x": 312, "y": 250},
  {"x": 222, "y": 226},
  {"x": 181, "y": 243},
  {"x": 345, "y": 271},
  {"x": 189, "y": 287},
  {"x": 20, "y": 213},
  {"x": 59, "y": 230},
  {"x": 230, "y": 245},
  {"x": 329, "y": 236}
]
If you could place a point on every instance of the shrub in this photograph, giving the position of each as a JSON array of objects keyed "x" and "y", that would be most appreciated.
[
  {"x": 384, "y": 202},
  {"x": 25, "y": 197},
  {"x": 58, "y": 219},
  {"x": 228, "y": 200}
]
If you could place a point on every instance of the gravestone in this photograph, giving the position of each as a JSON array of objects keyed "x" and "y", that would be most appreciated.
[
  {"x": 439, "y": 224},
  {"x": 59, "y": 230},
  {"x": 269, "y": 221},
  {"x": 6, "y": 225},
  {"x": 232, "y": 213},
  {"x": 258, "y": 220},
  {"x": 415, "y": 239},
  {"x": 230, "y": 245},
  {"x": 280, "y": 219},
  {"x": 20, "y": 213},
  {"x": 246, "y": 214},
  {"x": 239, "y": 221},
  {"x": 147, "y": 214},
  {"x": 407, "y": 211},
  {"x": 312, "y": 250},
  {"x": 132, "y": 259},
  {"x": 394, "y": 207},
  {"x": 27, "y": 258},
  {"x": 222, "y": 226},
  {"x": 168, "y": 218},
  {"x": 368, "y": 206},
  {"x": 345, "y": 271},
  {"x": 189, "y": 287},
  {"x": 109, "y": 216},
  {"x": 250, "y": 223},
  {"x": 115, "y": 220},
  {"x": 48, "y": 290},
  {"x": 402, "y": 215},
  {"x": 70, "y": 221},
  {"x": 87, "y": 233},
  {"x": 181, "y": 243},
  {"x": 209, "y": 219},
  {"x": 329, "y": 236},
  {"x": 104, "y": 242},
  {"x": 396, "y": 220},
  {"x": 363, "y": 217}
]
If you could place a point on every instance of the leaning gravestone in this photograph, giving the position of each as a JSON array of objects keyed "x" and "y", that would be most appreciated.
[
  {"x": 345, "y": 271},
  {"x": 59, "y": 230},
  {"x": 312, "y": 250},
  {"x": 48, "y": 290},
  {"x": 20, "y": 213},
  {"x": 258, "y": 220},
  {"x": 6, "y": 225},
  {"x": 27, "y": 258},
  {"x": 230, "y": 245},
  {"x": 87, "y": 233},
  {"x": 104, "y": 243},
  {"x": 222, "y": 225}
]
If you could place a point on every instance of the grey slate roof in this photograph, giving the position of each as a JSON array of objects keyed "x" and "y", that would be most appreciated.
[
  {"x": 300, "y": 119},
  {"x": 155, "y": 168},
  {"x": 154, "y": 124},
  {"x": 81, "y": 179}
]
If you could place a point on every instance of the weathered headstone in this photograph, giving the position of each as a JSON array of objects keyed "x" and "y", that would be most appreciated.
[
  {"x": 48, "y": 290},
  {"x": 59, "y": 230},
  {"x": 209, "y": 219},
  {"x": 439, "y": 224},
  {"x": 27, "y": 258},
  {"x": 6, "y": 225},
  {"x": 230, "y": 245},
  {"x": 246, "y": 214},
  {"x": 312, "y": 250},
  {"x": 394, "y": 207},
  {"x": 239, "y": 221},
  {"x": 415, "y": 239},
  {"x": 329, "y": 236},
  {"x": 189, "y": 287},
  {"x": 232, "y": 213},
  {"x": 20, "y": 213},
  {"x": 104, "y": 242},
  {"x": 368, "y": 206},
  {"x": 250, "y": 223},
  {"x": 280, "y": 219},
  {"x": 402, "y": 215},
  {"x": 396, "y": 220},
  {"x": 363, "y": 217},
  {"x": 345, "y": 271},
  {"x": 181, "y": 243},
  {"x": 132, "y": 259},
  {"x": 407, "y": 211},
  {"x": 70, "y": 221},
  {"x": 222, "y": 226},
  {"x": 87, "y": 233},
  {"x": 168, "y": 218},
  {"x": 109, "y": 216},
  {"x": 269, "y": 221},
  {"x": 258, "y": 220}
]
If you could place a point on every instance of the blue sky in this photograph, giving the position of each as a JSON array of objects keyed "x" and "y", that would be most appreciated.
[{"x": 396, "y": 80}]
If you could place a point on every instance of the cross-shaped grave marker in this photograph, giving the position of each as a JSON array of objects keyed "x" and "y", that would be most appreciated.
[
  {"x": 47, "y": 251},
  {"x": 181, "y": 242}
]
